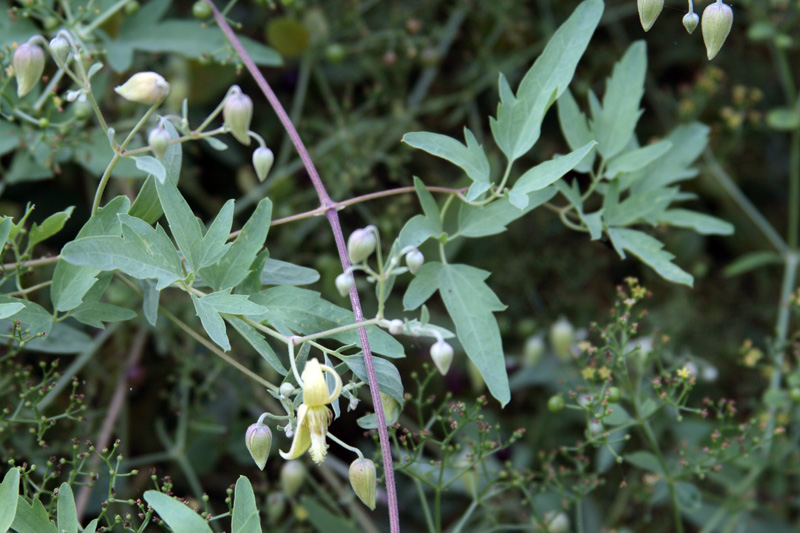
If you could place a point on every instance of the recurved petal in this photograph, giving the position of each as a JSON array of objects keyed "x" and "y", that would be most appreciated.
[
  {"x": 315, "y": 390},
  {"x": 302, "y": 438}
]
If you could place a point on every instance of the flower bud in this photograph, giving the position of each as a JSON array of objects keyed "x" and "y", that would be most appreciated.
[
  {"x": 159, "y": 141},
  {"x": 557, "y": 522},
  {"x": 649, "y": 10},
  {"x": 344, "y": 282},
  {"x": 396, "y": 326},
  {"x": 59, "y": 48},
  {"x": 238, "y": 112},
  {"x": 363, "y": 481},
  {"x": 293, "y": 473},
  {"x": 262, "y": 161},
  {"x": 717, "y": 23},
  {"x": 442, "y": 355},
  {"x": 259, "y": 440},
  {"x": 690, "y": 21},
  {"x": 286, "y": 389},
  {"x": 562, "y": 337},
  {"x": 145, "y": 88},
  {"x": 361, "y": 244},
  {"x": 414, "y": 260},
  {"x": 532, "y": 351},
  {"x": 391, "y": 408},
  {"x": 28, "y": 63},
  {"x": 276, "y": 505}
]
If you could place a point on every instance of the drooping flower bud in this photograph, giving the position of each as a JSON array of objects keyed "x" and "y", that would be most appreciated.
[
  {"x": 361, "y": 244},
  {"x": 414, "y": 260},
  {"x": 532, "y": 351},
  {"x": 145, "y": 88},
  {"x": 259, "y": 440},
  {"x": 717, "y": 23},
  {"x": 442, "y": 355},
  {"x": 238, "y": 112},
  {"x": 649, "y": 10},
  {"x": 391, "y": 408},
  {"x": 286, "y": 389},
  {"x": 344, "y": 282},
  {"x": 364, "y": 482},
  {"x": 690, "y": 21},
  {"x": 159, "y": 141},
  {"x": 557, "y": 522},
  {"x": 59, "y": 48},
  {"x": 293, "y": 473},
  {"x": 262, "y": 161},
  {"x": 28, "y": 63},
  {"x": 396, "y": 326},
  {"x": 562, "y": 337}
]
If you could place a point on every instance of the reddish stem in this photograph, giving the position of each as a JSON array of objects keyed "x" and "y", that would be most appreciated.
[{"x": 333, "y": 218}]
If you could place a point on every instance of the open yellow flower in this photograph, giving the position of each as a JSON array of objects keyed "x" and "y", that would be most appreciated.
[{"x": 313, "y": 415}]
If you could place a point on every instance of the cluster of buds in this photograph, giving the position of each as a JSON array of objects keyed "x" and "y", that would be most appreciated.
[{"x": 717, "y": 21}]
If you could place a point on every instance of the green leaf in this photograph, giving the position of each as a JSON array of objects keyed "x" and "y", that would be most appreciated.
[
  {"x": 545, "y": 174},
  {"x": 645, "y": 461},
  {"x": 752, "y": 261},
  {"x": 67, "y": 512},
  {"x": 32, "y": 518},
  {"x": 323, "y": 520},
  {"x": 470, "y": 303},
  {"x": 72, "y": 282},
  {"x": 689, "y": 497},
  {"x": 150, "y": 296},
  {"x": 650, "y": 204},
  {"x": 147, "y": 205},
  {"x": 9, "y": 492},
  {"x": 416, "y": 231},
  {"x": 95, "y": 314},
  {"x": 518, "y": 124},
  {"x": 33, "y": 317},
  {"x": 471, "y": 158},
  {"x": 142, "y": 252},
  {"x": 615, "y": 125},
  {"x": 277, "y": 272},
  {"x": 51, "y": 225},
  {"x": 213, "y": 245},
  {"x": 209, "y": 307},
  {"x": 389, "y": 380},
  {"x": 491, "y": 219},
  {"x": 258, "y": 342},
  {"x": 10, "y": 309},
  {"x": 429, "y": 206},
  {"x": 92, "y": 527},
  {"x": 593, "y": 221},
  {"x": 62, "y": 339},
  {"x": 184, "y": 226},
  {"x": 179, "y": 517},
  {"x": 244, "y": 507},
  {"x": 649, "y": 251},
  {"x": 699, "y": 222},
  {"x": 575, "y": 128},
  {"x": 235, "y": 265},
  {"x": 305, "y": 312},
  {"x": 150, "y": 165},
  {"x": 636, "y": 159},
  {"x": 688, "y": 142},
  {"x": 5, "y": 231}
]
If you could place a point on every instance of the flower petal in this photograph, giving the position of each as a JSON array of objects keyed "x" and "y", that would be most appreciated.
[
  {"x": 302, "y": 438},
  {"x": 315, "y": 390}
]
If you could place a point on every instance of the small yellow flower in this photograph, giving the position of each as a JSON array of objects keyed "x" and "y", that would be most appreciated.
[
  {"x": 313, "y": 415},
  {"x": 684, "y": 373},
  {"x": 604, "y": 372},
  {"x": 588, "y": 373}
]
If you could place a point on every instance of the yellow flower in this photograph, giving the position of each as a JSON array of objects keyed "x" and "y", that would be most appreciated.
[
  {"x": 604, "y": 372},
  {"x": 588, "y": 373},
  {"x": 313, "y": 415},
  {"x": 684, "y": 373}
]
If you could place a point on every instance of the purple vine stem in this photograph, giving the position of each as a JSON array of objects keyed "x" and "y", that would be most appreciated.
[{"x": 333, "y": 219}]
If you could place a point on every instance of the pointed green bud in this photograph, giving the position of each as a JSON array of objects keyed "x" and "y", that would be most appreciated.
[
  {"x": 159, "y": 141},
  {"x": 717, "y": 23},
  {"x": 396, "y": 326},
  {"x": 262, "y": 161},
  {"x": 414, "y": 260},
  {"x": 690, "y": 22},
  {"x": 649, "y": 10},
  {"x": 344, "y": 282},
  {"x": 144, "y": 88},
  {"x": 293, "y": 474},
  {"x": 238, "y": 112},
  {"x": 391, "y": 408},
  {"x": 259, "y": 440},
  {"x": 562, "y": 337},
  {"x": 364, "y": 481},
  {"x": 361, "y": 244},
  {"x": 59, "y": 48},
  {"x": 557, "y": 522},
  {"x": 532, "y": 351},
  {"x": 28, "y": 63},
  {"x": 286, "y": 389},
  {"x": 442, "y": 355}
]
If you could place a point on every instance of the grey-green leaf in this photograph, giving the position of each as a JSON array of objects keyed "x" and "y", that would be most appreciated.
[
  {"x": 67, "y": 512},
  {"x": 647, "y": 204},
  {"x": 152, "y": 166},
  {"x": 649, "y": 251},
  {"x": 9, "y": 491},
  {"x": 547, "y": 173},
  {"x": 490, "y": 219},
  {"x": 96, "y": 313},
  {"x": 10, "y": 309},
  {"x": 389, "y": 380},
  {"x": 184, "y": 226},
  {"x": 244, "y": 506},
  {"x": 179, "y": 517},
  {"x": 646, "y": 461},
  {"x": 277, "y": 272},
  {"x": 636, "y": 159},
  {"x": 258, "y": 342},
  {"x": 50, "y": 226},
  {"x": 32, "y": 518},
  {"x": 699, "y": 222}
]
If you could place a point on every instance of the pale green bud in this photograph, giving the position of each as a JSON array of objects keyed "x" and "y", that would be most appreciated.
[
  {"x": 649, "y": 10},
  {"x": 562, "y": 337},
  {"x": 262, "y": 161},
  {"x": 557, "y": 522},
  {"x": 364, "y": 481},
  {"x": 717, "y": 23},
  {"x": 276, "y": 506},
  {"x": 259, "y": 440},
  {"x": 690, "y": 21},
  {"x": 391, "y": 408},
  {"x": 344, "y": 282},
  {"x": 361, "y": 244},
  {"x": 442, "y": 355},
  {"x": 145, "y": 88},
  {"x": 28, "y": 63},
  {"x": 159, "y": 141},
  {"x": 238, "y": 112},
  {"x": 396, "y": 326},
  {"x": 532, "y": 351},
  {"x": 414, "y": 260},
  {"x": 293, "y": 474},
  {"x": 59, "y": 48},
  {"x": 286, "y": 389}
]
